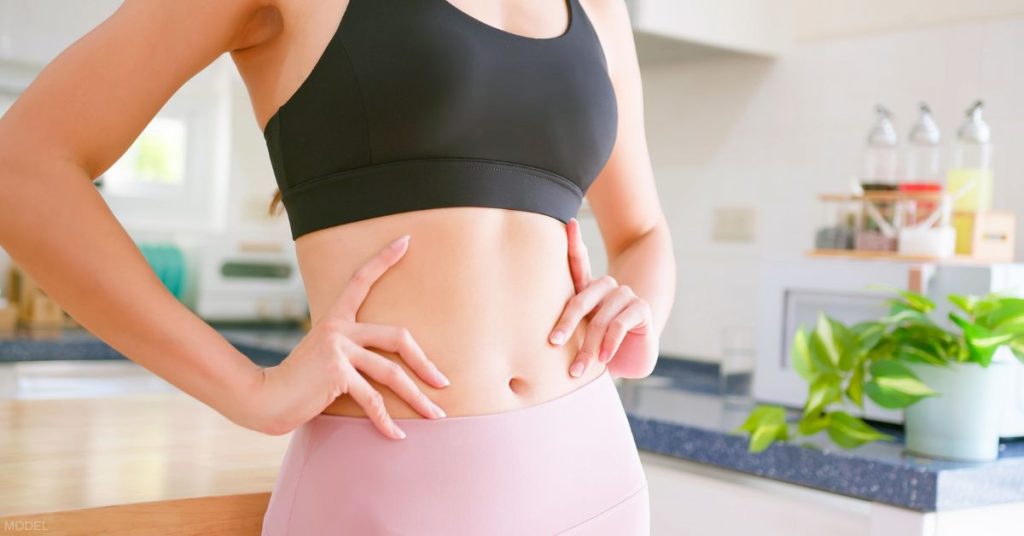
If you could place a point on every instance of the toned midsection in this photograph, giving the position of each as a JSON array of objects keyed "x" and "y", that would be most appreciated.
[{"x": 480, "y": 289}]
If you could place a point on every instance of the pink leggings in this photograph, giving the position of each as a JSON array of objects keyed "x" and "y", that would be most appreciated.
[{"x": 566, "y": 466}]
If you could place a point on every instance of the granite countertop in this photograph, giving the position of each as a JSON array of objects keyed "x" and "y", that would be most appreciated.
[{"x": 676, "y": 411}]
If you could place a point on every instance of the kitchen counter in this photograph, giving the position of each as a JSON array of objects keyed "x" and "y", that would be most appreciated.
[
  {"x": 677, "y": 412},
  {"x": 265, "y": 346}
]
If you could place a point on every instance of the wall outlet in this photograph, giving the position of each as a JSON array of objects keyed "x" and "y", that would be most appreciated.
[{"x": 733, "y": 224}]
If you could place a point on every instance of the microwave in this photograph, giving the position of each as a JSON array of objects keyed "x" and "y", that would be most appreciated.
[
  {"x": 249, "y": 277},
  {"x": 792, "y": 293}
]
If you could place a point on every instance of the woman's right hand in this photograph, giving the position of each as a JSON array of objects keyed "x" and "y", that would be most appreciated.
[{"x": 327, "y": 362}]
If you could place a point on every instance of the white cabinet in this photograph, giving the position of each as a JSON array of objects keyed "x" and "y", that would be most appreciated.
[
  {"x": 678, "y": 29},
  {"x": 694, "y": 499}
]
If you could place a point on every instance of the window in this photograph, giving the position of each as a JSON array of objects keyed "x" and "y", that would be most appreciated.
[{"x": 154, "y": 165}]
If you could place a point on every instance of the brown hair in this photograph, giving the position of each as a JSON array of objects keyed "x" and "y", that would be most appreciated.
[{"x": 274, "y": 202}]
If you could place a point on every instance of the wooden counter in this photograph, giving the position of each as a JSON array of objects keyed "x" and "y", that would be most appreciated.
[{"x": 71, "y": 454}]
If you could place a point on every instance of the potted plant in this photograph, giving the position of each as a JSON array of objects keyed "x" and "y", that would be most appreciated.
[{"x": 946, "y": 378}]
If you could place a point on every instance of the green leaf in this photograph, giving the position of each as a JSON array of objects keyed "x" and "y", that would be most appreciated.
[
  {"x": 847, "y": 344},
  {"x": 992, "y": 340},
  {"x": 986, "y": 305},
  {"x": 906, "y": 385},
  {"x": 823, "y": 391},
  {"x": 819, "y": 359},
  {"x": 959, "y": 320},
  {"x": 887, "y": 399},
  {"x": 900, "y": 313},
  {"x": 823, "y": 333},
  {"x": 762, "y": 415},
  {"x": 1011, "y": 325},
  {"x": 868, "y": 334},
  {"x": 1006, "y": 310},
  {"x": 909, "y": 352},
  {"x": 763, "y": 437},
  {"x": 812, "y": 424},
  {"x": 855, "y": 389},
  {"x": 982, "y": 344},
  {"x": 893, "y": 385},
  {"x": 766, "y": 424},
  {"x": 964, "y": 303},
  {"x": 962, "y": 352},
  {"x": 848, "y": 431},
  {"x": 898, "y": 376},
  {"x": 801, "y": 355},
  {"x": 918, "y": 302}
]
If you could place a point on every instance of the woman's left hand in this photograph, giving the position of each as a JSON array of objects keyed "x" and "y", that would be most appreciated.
[{"x": 621, "y": 332}]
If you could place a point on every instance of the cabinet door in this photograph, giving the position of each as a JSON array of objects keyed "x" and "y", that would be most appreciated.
[{"x": 690, "y": 498}]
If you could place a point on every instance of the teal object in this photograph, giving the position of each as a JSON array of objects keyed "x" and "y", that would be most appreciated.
[
  {"x": 963, "y": 422},
  {"x": 168, "y": 262}
]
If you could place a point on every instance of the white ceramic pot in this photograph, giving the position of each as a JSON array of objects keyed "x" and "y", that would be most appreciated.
[{"x": 962, "y": 423}]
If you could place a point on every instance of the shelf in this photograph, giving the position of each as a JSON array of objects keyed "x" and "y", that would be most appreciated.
[{"x": 891, "y": 256}]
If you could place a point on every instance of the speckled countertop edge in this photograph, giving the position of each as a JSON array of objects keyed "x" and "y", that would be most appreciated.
[{"x": 878, "y": 472}]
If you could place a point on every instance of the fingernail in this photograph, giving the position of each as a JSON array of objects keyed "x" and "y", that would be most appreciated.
[
  {"x": 576, "y": 370},
  {"x": 400, "y": 433},
  {"x": 402, "y": 240},
  {"x": 441, "y": 378},
  {"x": 438, "y": 411},
  {"x": 558, "y": 337},
  {"x": 603, "y": 356}
]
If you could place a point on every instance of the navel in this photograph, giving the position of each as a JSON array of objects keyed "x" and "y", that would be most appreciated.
[{"x": 516, "y": 384}]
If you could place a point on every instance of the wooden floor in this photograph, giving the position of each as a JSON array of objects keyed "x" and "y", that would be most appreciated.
[{"x": 59, "y": 455}]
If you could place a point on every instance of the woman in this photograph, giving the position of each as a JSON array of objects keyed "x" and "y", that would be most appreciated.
[{"x": 473, "y": 130}]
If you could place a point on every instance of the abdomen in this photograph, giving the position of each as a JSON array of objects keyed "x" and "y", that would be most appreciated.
[{"x": 480, "y": 289}]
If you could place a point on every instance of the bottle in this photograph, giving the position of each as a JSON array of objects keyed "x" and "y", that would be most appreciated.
[
  {"x": 881, "y": 154},
  {"x": 969, "y": 179},
  {"x": 923, "y": 173},
  {"x": 877, "y": 232},
  {"x": 924, "y": 155}
]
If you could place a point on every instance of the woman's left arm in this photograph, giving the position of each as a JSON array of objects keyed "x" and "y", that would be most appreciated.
[{"x": 632, "y": 303}]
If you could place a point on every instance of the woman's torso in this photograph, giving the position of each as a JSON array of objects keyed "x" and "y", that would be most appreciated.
[{"x": 479, "y": 288}]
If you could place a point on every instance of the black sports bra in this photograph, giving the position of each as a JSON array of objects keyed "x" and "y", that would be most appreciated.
[{"x": 415, "y": 104}]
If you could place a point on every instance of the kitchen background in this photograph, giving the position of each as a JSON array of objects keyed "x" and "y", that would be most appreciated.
[{"x": 753, "y": 108}]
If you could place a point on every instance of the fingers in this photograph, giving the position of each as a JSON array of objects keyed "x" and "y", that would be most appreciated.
[
  {"x": 635, "y": 315},
  {"x": 579, "y": 306},
  {"x": 579, "y": 259},
  {"x": 354, "y": 293},
  {"x": 395, "y": 378},
  {"x": 399, "y": 340},
  {"x": 613, "y": 304},
  {"x": 371, "y": 401}
]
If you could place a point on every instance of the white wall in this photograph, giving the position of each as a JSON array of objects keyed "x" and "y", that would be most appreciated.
[
  {"x": 35, "y": 31},
  {"x": 770, "y": 134}
]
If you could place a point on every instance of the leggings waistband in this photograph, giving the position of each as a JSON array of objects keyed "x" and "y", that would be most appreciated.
[{"x": 578, "y": 396}]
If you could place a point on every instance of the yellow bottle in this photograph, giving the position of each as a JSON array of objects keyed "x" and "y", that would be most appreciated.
[
  {"x": 969, "y": 179},
  {"x": 971, "y": 187}
]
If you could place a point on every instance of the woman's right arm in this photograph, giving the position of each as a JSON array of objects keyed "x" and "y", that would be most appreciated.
[
  {"x": 78, "y": 116},
  {"x": 75, "y": 119}
]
